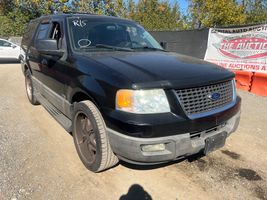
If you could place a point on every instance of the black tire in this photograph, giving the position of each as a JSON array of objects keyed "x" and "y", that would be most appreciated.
[
  {"x": 90, "y": 138},
  {"x": 30, "y": 88}
]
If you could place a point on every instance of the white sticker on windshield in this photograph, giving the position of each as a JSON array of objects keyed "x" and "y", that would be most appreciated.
[{"x": 79, "y": 22}]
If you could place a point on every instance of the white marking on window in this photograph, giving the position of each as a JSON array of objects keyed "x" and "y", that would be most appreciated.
[
  {"x": 79, "y": 22},
  {"x": 83, "y": 43}
]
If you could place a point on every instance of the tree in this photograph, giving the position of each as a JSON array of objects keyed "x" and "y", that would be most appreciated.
[
  {"x": 156, "y": 15},
  {"x": 36, "y": 8},
  {"x": 210, "y": 13},
  {"x": 152, "y": 14},
  {"x": 6, "y": 6},
  {"x": 120, "y": 9},
  {"x": 12, "y": 19},
  {"x": 15, "y": 14},
  {"x": 102, "y": 7},
  {"x": 256, "y": 11}
]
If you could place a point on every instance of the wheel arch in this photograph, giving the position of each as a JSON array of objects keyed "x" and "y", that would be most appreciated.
[
  {"x": 79, "y": 96},
  {"x": 85, "y": 88}
]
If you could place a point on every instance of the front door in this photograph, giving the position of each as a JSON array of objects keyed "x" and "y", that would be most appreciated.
[{"x": 51, "y": 68}]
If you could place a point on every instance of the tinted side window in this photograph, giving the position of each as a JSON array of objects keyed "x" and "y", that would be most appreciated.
[
  {"x": 43, "y": 31},
  {"x": 1, "y": 43},
  {"x": 4, "y": 43}
]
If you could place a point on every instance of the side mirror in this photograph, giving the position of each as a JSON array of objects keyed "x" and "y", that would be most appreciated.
[
  {"x": 164, "y": 45},
  {"x": 49, "y": 47}
]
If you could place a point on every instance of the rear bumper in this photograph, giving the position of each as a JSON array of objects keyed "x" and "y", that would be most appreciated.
[{"x": 129, "y": 148}]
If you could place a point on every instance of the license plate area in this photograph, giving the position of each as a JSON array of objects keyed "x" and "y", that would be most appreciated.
[{"x": 215, "y": 142}]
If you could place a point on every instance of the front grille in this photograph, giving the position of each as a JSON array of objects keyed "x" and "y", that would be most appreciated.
[{"x": 197, "y": 100}]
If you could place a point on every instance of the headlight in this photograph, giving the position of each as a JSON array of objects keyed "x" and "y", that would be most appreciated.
[{"x": 142, "y": 101}]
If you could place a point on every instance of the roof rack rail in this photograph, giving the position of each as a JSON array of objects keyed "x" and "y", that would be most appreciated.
[{"x": 73, "y": 12}]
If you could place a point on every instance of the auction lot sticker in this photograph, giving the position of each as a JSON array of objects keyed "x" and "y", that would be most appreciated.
[{"x": 242, "y": 48}]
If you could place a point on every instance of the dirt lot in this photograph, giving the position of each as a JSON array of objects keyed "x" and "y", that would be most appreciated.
[{"x": 38, "y": 159}]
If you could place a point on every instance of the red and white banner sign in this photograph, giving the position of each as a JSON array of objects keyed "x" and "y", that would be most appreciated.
[{"x": 239, "y": 48}]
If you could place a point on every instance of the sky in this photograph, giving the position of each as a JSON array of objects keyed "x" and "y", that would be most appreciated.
[{"x": 183, "y": 5}]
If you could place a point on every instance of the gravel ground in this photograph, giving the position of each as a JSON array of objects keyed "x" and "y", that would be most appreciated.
[{"x": 38, "y": 159}]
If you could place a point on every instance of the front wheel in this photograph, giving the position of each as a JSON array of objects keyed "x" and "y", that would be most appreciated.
[{"x": 90, "y": 138}]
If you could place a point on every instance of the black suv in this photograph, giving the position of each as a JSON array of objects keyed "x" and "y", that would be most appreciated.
[{"x": 122, "y": 96}]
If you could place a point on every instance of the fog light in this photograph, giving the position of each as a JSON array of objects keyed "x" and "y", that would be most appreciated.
[{"x": 153, "y": 147}]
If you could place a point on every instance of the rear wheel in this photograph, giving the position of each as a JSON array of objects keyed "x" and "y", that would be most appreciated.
[
  {"x": 30, "y": 88},
  {"x": 90, "y": 138}
]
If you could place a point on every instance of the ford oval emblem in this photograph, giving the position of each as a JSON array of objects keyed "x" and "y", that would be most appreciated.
[{"x": 214, "y": 96}]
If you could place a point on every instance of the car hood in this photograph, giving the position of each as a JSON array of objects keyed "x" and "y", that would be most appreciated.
[{"x": 162, "y": 69}]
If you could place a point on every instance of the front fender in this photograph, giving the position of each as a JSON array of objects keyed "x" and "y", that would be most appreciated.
[{"x": 89, "y": 86}]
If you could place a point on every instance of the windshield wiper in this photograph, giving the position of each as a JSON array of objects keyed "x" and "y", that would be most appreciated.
[
  {"x": 113, "y": 47},
  {"x": 149, "y": 48}
]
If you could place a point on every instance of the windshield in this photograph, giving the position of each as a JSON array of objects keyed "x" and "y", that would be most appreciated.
[{"x": 96, "y": 34}]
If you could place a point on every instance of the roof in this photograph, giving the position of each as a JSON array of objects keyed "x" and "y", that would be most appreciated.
[{"x": 74, "y": 14}]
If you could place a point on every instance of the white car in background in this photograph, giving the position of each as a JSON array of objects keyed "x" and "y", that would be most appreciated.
[{"x": 9, "y": 50}]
